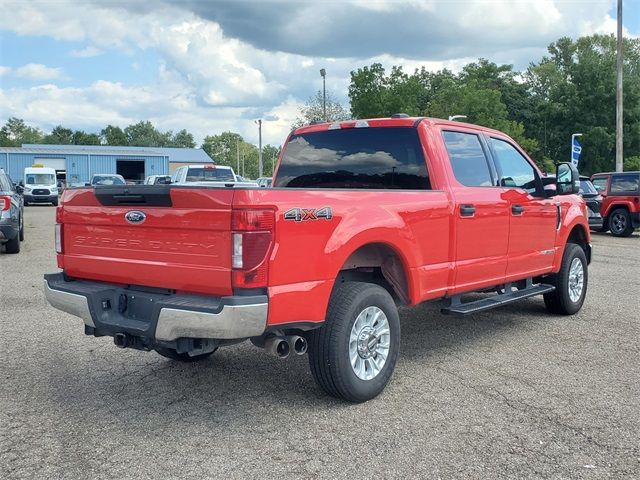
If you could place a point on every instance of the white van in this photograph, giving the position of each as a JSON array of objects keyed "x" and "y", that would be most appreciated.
[{"x": 40, "y": 185}]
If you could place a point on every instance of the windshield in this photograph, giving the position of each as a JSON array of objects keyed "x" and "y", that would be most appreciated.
[
  {"x": 40, "y": 179},
  {"x": 210, "y": 175},
  {"x": 587, "y": 187},
  {"x": 354, "y": 158},
  {"x": 107, "y": 180}
]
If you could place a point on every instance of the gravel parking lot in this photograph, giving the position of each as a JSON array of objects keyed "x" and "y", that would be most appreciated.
[{"x": 512, "y": 393}]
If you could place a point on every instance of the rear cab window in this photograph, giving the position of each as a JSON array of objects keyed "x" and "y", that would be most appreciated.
[
  {"x": 468, "y": 159},
  {"x": 209, "y": 174},
  {"x": 371, "y": 157}
]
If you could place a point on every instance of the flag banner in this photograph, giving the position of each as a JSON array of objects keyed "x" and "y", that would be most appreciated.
[{"x": 576, "y": 150}]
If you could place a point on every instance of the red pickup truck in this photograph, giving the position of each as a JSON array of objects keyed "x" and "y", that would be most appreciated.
[{"x": 364, "y": 216}]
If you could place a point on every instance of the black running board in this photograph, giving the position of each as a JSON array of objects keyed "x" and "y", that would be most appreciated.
[{"x": 456, "y": 307}]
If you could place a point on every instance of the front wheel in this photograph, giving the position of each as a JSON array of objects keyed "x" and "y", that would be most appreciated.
[
  {"x": 570, "y": 282},
  {"x": 620, "y": 223},
  {"x": 353, "y": 355}
]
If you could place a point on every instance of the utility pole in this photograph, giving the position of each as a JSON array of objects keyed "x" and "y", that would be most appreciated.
[
  {"x": 619, "y": 97},
  {"x": 238, "y": 154},
  {"x": 323, "y": 74},
  {"x": 259, "y": 122}
]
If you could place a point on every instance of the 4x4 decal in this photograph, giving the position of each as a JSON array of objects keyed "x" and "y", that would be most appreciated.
[{"x": 304, "y": 214}]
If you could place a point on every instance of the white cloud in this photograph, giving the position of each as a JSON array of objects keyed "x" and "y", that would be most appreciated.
[
  {"x": 218, "y": 75},
  {"x": 89, "y": 51},
  {"x": 4, "y": 70},
  {"x": 38, "y": 71}
]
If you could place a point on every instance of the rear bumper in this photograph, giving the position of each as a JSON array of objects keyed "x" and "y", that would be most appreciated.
[
  {"x": 595, "y": 222},
  {"x": 155, "y": 316}
]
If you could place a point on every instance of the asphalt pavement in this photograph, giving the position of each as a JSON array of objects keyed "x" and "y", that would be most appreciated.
[{"x": 510, "y": 393}]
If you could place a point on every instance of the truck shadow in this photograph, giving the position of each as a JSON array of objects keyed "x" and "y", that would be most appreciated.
[{"x": 240, "y": 383}]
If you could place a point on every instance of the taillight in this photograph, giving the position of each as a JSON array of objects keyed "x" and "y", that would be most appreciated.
[
  {"x": 5, "y": 203},
  {"x": 58, "y": 230},
  {"x": 252, "y": 239}
]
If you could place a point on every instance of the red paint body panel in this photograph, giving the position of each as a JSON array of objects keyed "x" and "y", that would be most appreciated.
[{"x": 187, "y": 247}]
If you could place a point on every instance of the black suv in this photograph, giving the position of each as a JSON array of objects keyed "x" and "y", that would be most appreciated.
[
  {"x": 593, "y": 199},
  {"x": 11, "y": 214}
]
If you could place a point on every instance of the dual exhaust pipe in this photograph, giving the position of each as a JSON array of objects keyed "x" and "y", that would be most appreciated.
[{"x": 283, "y": 346}]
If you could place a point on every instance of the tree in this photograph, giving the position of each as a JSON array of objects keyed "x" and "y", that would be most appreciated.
[
  {"x": 223, "y": 148},
  {"x": 114, "y": 136},
  {"x": 144, "y": 134},
  {"x": 313, "y": 110},
  {"x": 59, "y": 136},
  {"x": 183, "y": 139},
  {"x": 15, "y": 132},
  {"x": 270, "y": 156},
  {"x": 81, "y": 137}
]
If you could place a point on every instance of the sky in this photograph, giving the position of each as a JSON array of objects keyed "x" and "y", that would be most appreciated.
[{"x": 218, "y": 65}]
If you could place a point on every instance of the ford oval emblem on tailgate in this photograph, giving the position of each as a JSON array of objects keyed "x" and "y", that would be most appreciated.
[{"x": 135, "y": 216}]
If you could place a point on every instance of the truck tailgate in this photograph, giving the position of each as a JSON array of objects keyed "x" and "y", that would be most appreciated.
[{"x": 183, "y": 243}]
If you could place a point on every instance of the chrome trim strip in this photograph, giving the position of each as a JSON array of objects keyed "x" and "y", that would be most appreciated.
[
  {"x": 233, "y": 321},
  {"x": 69, "y": 302}
]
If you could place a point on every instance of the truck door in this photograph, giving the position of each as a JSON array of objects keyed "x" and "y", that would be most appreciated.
[
  {"x": 532, "y": 217},
  {"x": 481, "y": 214}
]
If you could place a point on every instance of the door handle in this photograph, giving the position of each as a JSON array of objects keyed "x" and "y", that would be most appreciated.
[
  {"x": 467, "y": 210},
  {"x": 517, "y": 209}
]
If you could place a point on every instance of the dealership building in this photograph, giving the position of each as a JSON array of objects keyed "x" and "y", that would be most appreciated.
[{"x": 75, "y": 164}]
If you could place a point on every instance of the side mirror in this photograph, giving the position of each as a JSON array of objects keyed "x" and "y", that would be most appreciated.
[{"x": 567, "y": 179}]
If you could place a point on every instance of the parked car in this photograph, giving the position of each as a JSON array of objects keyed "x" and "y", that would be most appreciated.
[
  {"x": 397, "y": 211},
  {"x": 11, "y": 214},
  {"x": 264, "y": 182},
  {"x": 593, "y": 200},
  {"x": 620, "y": 207},
  {"x": 157, "y": 180},
  {"x": 40, "y": 185},
  {"x": 245, "y": 181},
  {"x": 107, "y": 179},
  {"x": 205, "y": 175}
]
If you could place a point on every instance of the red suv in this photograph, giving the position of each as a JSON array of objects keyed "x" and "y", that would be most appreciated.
[{"x": 621, "y": 201}]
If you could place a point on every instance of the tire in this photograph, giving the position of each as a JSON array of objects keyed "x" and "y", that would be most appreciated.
[
  {"x": 565, "y": 300},
  {"x": 13, "y": 245},
  {"x": 182, "y": 357},
  {"x": 620, "y": 223},
  {"x": 55, "y": 203},
  {"x": 330, "y": 358},
  {"x": 21, "y": 233}
]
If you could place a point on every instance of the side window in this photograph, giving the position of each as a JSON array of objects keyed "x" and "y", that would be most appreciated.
[
  {"x": 467, "y": 158},
  {"x": 513, "y": 168},
  {"x": 625, "y": 183},
  {"x": 600, "y": 183}
]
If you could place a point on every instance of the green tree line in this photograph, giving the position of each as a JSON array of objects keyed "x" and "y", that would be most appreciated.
[{"x": 570, "y": 90}]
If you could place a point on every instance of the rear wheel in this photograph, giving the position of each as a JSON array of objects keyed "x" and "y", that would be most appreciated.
[
  {"x": 620, "y": 223},
  {"x": 570, "y": 282},
  {"x": 353, "y": 355},
  {"x": 182, "y": 357},
  {"x": 21, "y": 234}
]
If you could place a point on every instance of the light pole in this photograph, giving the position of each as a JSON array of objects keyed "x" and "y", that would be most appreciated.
[
  {"x": 259, "y": 122},
  {"x": 619, "y": 105},
  {"x": 323, "y": 74},
  {"x": 454, "y": 117},
  {"x": 573, "y": 137}
]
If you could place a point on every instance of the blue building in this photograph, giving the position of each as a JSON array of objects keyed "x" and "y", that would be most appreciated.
[{"x": 75, "y": 164}]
